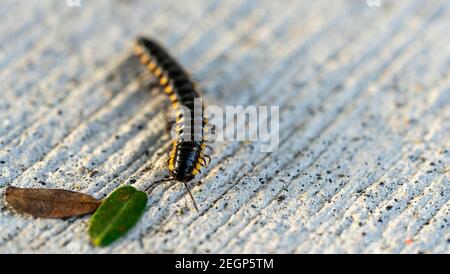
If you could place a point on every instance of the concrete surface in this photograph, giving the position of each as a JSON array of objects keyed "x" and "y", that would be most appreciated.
[{"x": 364, "y": 96}]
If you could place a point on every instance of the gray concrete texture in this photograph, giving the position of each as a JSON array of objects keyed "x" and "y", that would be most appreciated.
[{"x": 364, "y": 93}]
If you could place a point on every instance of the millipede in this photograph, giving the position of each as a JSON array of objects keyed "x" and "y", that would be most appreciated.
[{"x": 187, "y": 156}]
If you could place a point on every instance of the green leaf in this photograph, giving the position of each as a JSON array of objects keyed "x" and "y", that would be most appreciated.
[{"x": 116, "y": 215}]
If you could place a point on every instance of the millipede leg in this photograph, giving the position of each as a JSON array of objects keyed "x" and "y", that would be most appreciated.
[
  {"x": 204, "y": 162},
  {"x": 169, "y": 125},
  {"x": 192, "y": 197},
  {"x": 207, "y": 157},
  {"x": 155, "y": 183},
  {"x": 209, "y": 147}
]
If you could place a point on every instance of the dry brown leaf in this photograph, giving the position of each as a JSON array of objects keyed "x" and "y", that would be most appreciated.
[{"x": 50, "y": 203}]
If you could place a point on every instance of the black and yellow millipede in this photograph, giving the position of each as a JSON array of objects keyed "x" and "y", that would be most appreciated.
[{"x": 187, "y": 155}]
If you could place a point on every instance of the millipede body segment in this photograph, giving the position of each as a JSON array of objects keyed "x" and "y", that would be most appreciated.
[{"x": 186, "y": 157}]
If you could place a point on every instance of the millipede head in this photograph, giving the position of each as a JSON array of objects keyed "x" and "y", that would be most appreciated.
[
  {"x": 147, "y": 42},
  {"x": 181, "y": 176}
]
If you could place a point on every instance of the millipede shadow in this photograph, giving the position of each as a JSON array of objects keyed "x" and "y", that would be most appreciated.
[{"x": 126, "y": 71}]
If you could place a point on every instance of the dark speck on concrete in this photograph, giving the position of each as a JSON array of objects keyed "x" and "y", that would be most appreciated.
[{"x": 281, "y": 198}]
